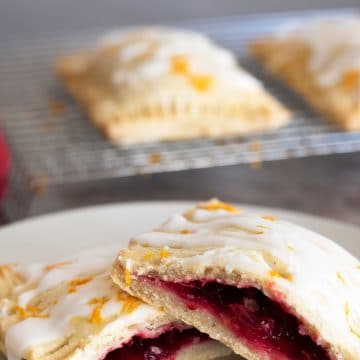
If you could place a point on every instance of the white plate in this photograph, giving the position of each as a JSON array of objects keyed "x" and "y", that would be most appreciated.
[{"x": 49, "y": 237}]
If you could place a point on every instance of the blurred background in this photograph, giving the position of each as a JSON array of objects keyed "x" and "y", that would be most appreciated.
[
  {"x": 31, "y": 18},
  {"x": 324, "y": 185}
]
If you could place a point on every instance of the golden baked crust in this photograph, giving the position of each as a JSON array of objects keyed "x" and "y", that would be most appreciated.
[
  {"x": 152, "y": 84},
  {"x": 290, "y": 57},
  {"x": 9, "y": 278}
]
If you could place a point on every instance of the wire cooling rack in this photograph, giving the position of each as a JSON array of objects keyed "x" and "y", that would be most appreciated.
[{"x": 52, "y": 140}]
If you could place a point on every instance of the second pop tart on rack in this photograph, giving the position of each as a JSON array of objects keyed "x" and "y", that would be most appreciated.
[{"x": 154, "y": 84}]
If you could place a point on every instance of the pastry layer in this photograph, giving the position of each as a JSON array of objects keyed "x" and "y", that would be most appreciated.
[
  {"x": 9, "y": 278},
  {"x": 320, "y": 59},
  {"x": 72, "y": 310},
  {"x": 313, "y": 280},
  {"x": 152, "y": 84}
]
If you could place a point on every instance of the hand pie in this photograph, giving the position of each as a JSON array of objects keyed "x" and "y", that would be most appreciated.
[
  {"x": 319, "y": 59},
  {"x": 264, "y": 287},
  {"x": 153, "y": 84},
  {"x": 72, "y": 310}
]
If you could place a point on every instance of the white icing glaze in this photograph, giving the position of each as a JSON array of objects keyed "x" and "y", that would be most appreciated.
[
  {"x": 315, "y": 275},
  {"x": 153, "y": 48},
  {"x": 335, "y": 46},
  {"x": 33, "y": 331},
  {"x": 91, "y": 262}
]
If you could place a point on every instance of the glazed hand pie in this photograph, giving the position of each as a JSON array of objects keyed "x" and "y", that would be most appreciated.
[
  {"x": 72, "y": 310},
  {"x": 319, "y": 59},
  {"x": 152, "y": 84},
  {"x": 266, "y": 288}
]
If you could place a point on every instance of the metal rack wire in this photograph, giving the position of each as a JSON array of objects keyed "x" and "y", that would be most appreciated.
[{"x": 53, "y": 139}]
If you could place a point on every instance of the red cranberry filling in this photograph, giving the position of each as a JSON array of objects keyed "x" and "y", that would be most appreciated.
[
  {"x": 253, "y": 317},
  {"x": 163, "y": 347}
]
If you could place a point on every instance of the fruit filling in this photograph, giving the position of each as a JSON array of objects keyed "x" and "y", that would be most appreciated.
[
  {"x": 164, "y": 347},
  {"x": 262, "y": 324}
]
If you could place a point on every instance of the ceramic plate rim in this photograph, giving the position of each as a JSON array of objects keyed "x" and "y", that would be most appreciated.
[{"x": 34, "y": 225}]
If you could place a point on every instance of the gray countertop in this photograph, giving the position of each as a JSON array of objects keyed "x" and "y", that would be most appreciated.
[
  {"x": 327, "y": 186},
  {"x": 32, "y": 18}
]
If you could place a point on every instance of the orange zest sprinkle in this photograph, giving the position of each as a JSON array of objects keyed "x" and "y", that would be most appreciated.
[
  {"x": 270, "y": 218},
  {"x": 75, "y": 283},
  {"x": 121, "y": 296},
  {"x": 347, "y": 313},
  {"x": 147, "y": 256},
  {"x": 259, "y": 232},
  {"x": 274, "y": 273},
  {"x": 179, "y": 64},
  {"x": 80, "y": 282},
  {"x": 340, "y": 277},
  {"x": 97, "y": 301},
  {"x": 218, "y": 205},
  {"x": 34, "y": 311},
  {"x": 30, "y": 311},
  {"x": 127, "y": 277},
  {"x": 164, "y": 253},
  {"x": 130, "y": 305},
  {"x": 290, "y": 248},
  {"x": 185, "y": 231},
  {"x": 262, "y": 227},
  {"x": 350, "y": 80},
  {"x": 95, "y": 317},
  {"x": 358, "y": 266},
  {"x": 56, "y": 265},
  {"x": 20, "y": 312},
  {"x": 201, "y": 82}
]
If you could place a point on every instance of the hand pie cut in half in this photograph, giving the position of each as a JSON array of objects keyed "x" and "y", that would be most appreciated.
[
  {"x": 72, "y": 310},
  {"x": 153, "y": 84},
  {"x": 320, "y": 59},
  {"x": 266, "y": 288}
]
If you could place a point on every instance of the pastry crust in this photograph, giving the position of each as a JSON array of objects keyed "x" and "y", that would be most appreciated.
[
  {"x": 313, "y": 278},
  {"x": 9, "y": 278},
  {"x": 152, "y": 84},
  {"x": 314, "y": 60},
  {"x": 71, "y": 310}
]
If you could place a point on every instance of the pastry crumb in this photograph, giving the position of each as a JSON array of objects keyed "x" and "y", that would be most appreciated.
[
  {"x": 40, "y": 184},
  {"x": 127, "y": 277},
  {"x": 155, "y": 158},
  {"x": 255, "y": 146},
  {"x": 256, "y": 164},
  {"x": 270, "y": 218},
  {"x": 56, "y": 106}
]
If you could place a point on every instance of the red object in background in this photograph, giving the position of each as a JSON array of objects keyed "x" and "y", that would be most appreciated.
[{"x": 5, "y": 162}]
